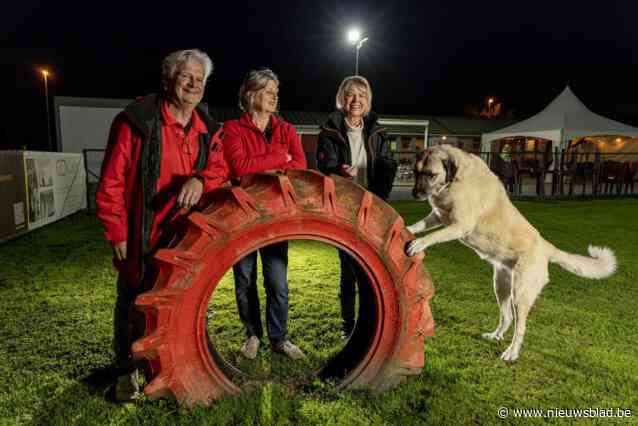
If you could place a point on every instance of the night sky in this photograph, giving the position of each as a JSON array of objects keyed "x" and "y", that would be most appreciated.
[{"x": 422, "y": 57}]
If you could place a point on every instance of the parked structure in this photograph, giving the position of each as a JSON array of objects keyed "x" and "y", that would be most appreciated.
[{"x": 565, "y": 144}]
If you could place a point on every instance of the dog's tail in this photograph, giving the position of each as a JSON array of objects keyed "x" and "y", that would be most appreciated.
[{"x": 600, "y": 264}]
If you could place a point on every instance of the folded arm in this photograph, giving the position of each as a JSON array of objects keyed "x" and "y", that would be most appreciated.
[
  {"x": 242, "y": 162},
  {"x": 327, "y": 157},
  {"x": 295, "y": 150}
]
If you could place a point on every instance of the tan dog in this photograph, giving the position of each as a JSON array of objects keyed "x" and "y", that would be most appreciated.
[{"x": 469, "y": 200}]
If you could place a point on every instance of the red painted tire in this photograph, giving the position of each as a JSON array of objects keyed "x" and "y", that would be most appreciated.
[{"x": 394, "y": 312}]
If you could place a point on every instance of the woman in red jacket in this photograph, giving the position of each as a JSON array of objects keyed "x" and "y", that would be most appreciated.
[
  {"x": 163, "y": 152},
  {"x": 260, "y": 141}
]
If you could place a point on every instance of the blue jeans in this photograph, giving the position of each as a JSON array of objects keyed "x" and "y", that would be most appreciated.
[
  {"x": 274, "y": 261},
  {"x": 350, "y": 273}
]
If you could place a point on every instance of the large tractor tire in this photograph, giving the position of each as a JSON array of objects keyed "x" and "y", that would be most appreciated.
[{"x": 394, "y": 315}]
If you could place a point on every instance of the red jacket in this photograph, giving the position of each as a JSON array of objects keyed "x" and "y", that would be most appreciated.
[
  {"x": 120, "y": 194},
  {"x": 247, "y": 150}
]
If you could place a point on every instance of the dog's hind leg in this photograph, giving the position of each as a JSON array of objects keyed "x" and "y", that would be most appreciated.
[
  {"x": 529, "y": 277},
  {"x": 503, "y": 292}
]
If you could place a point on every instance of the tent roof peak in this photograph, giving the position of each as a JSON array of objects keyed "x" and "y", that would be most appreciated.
[{"x": 564, "y": 118}]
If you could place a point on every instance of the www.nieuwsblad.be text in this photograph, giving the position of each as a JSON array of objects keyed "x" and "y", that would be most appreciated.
[{"x": 575, "y": 413}]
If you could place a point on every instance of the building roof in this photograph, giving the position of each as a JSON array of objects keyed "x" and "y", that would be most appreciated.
[
  {"x": 438, "y": 125},
  {"x": 412, "y": 124}
]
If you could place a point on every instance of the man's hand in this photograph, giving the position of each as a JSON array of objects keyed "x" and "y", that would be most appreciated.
[
  {"x": 120, "y": 250},
  {"x": 349, "y": 171},
  {"x": 190, "y": 193}
]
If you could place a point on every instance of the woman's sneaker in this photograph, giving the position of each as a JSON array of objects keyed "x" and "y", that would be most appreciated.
[
  {"x": 250, "y": 347},
  {"x": 288, "y": 349}
]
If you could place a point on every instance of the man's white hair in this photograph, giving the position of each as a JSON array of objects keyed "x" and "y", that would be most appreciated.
[{"x": 174, "y": 62}]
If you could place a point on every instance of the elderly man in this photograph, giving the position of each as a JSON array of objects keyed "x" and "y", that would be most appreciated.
[{"x": 164, "y": 152}]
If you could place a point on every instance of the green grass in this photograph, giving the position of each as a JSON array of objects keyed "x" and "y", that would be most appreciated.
[
  {"x": 57, "y": 288},
  {"x": 314, "y": 319}
]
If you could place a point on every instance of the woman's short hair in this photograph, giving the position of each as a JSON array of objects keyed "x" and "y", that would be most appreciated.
[
  {"x": 346, "y": 84},
  {"x": 174, "y": 62},
  {"x": 254, "y": 81}
]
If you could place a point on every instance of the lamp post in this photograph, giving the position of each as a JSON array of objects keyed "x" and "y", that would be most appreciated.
[
  {"x": 45, "y": 74},
  {"x": 490, "y": 101},
  {"x": 354, "y": 37}
]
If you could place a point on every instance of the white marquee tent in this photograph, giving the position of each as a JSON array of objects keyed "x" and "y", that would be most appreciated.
[{"x": 564, "y": 119}]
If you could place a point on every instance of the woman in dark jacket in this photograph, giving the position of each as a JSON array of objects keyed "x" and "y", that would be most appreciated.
[{"x": 352, "y": 144}]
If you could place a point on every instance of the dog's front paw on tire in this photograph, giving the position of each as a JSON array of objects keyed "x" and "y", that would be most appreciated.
[
  {"x": 415, "y": 247},
  {"x": 413, "y": 229}
]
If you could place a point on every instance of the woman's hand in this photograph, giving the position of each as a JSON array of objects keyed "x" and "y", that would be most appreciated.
[{"x": 349, "y": 171}]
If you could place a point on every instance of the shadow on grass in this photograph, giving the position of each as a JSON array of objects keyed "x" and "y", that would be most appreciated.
[
  {"x": 89, "y": 400},
  {"x": 101, "y": 381}
]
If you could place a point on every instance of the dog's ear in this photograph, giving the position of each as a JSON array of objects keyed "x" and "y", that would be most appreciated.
[{"x": 450, "y": 169}]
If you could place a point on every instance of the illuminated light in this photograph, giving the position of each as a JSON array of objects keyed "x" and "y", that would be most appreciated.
[
  {"x": 490, "y": 100},
  {"x": 444, "y": 138},
  {"x": 618, "y": 140},
  {"x": 354, "y": 35},
  {"x": 45, "y": 73}
]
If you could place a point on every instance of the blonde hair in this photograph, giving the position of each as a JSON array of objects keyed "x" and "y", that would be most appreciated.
[
  {"x": 346, "y": 84},
  {"x": 254, "y": 81}
]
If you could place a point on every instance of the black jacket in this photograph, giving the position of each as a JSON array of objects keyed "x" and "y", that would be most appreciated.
[{"x": 333, "y": 151}]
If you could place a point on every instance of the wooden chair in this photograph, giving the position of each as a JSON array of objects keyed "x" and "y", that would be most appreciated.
[
  {"x": 506, "y": 172},
  {"x": 630, "y": 176},
  {"x": 612, "y": 176},
  {"x": 566, "y": 167},
  {"x": 536, "y": 167}
]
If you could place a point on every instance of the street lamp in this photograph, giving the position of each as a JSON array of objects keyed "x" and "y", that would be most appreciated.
[
  {"x": 45, "y": 74},
  {"x": 490, "y": 101},
  {"x": 354, "y": 37}
]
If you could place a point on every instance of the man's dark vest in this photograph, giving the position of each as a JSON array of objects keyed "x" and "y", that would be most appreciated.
[{"x": 145, "y": 115}]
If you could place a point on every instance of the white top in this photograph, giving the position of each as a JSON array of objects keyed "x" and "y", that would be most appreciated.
[{"x": 358, "y": 150}]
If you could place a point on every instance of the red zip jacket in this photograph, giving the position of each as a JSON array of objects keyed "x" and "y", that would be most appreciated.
[
  {"x": 119, "y": 194},
  {"x": 247, "y": 150}
]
